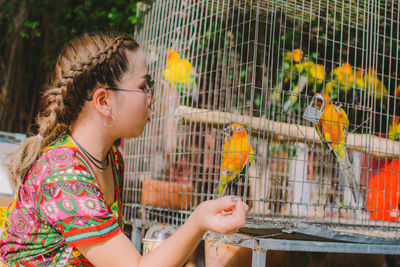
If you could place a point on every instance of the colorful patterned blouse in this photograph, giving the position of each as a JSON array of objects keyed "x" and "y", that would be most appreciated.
[{"x": 60, "y": 206}]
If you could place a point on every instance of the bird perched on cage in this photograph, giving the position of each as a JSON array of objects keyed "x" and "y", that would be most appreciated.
[
  {"x": 342, "y": 80},
  {"x": 309, "y": 73},
  {"x": 290, "y": 58},
  {"x": 237, "y": 155},
  {"x": 179, "y": 73},
  {"x": 375, "y": 86},
  {"x": 332, "y": 128},
  {"x": 359, "y": 81},
  {"x": 369, "y": 80}
]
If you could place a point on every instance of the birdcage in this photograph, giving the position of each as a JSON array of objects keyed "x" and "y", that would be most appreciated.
[{"x": 316, "y": 86}]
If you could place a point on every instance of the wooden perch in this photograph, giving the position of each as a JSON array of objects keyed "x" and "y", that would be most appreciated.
[{"x": 370, "y": 144}]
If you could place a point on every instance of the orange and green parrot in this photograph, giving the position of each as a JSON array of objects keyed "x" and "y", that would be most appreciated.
[
  {"x": 369, "y": 82},
  {"x": 309, "y": 73},
  {"x": 332, "y": 128},
  {"x": 179, "y": 73},
  {"x": 359, "y": 81},
  {"x": 290, "y": 58},
  {"x": 237, "y": 155},
  {"x": 375, "y": 86},
  {"x": 342, "y": 80}
]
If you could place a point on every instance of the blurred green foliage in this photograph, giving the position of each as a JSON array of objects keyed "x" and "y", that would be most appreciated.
[{"x": 35, "y": 31}]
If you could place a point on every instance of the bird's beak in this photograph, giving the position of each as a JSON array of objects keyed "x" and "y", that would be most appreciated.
[{"x": 228, "y": 131}]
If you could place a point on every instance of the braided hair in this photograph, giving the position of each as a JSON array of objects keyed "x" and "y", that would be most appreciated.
[{"x": 85, "y": 62}]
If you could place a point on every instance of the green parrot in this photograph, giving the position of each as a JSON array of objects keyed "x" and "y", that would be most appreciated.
[
  {"x": 290, "y": 58},
  {"x": 309, "y": 73},
  {"x": 342, "y": 80},
  {"x": 368, "y": 82}
]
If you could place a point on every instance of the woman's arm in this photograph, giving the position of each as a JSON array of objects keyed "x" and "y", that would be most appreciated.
[{"x": 223, "y": 215}]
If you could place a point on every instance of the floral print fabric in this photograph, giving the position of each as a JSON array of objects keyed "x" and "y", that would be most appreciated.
[{"x": 60, "y": 206}]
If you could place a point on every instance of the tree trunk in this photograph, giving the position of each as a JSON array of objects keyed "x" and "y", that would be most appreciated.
[{"x": 13, "y": 116}]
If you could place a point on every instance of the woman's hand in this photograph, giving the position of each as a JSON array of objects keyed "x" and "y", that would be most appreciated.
[{"x": 224, "y": 215}]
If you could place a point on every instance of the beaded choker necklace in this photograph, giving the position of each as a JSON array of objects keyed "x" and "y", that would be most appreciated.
[{"x": 101, "y": 164}]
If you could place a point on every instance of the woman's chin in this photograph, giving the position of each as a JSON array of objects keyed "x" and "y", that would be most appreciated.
[{"x": 136, "y": 133}]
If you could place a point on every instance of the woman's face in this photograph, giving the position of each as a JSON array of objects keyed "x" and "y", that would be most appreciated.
[{"x": 132, "y": 109}]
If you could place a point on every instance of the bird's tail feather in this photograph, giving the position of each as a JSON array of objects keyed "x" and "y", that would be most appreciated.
[{"x": 348, "y": 173}]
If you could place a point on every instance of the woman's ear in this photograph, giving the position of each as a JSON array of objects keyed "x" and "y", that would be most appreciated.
[{"x": 102, "y": 101}]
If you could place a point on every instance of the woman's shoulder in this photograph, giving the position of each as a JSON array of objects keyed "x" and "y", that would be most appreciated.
[
  {"x": 61, "y": 153},
  {"x": 59, "y": 159}
]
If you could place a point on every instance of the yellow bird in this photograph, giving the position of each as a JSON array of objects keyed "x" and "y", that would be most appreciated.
[
  {"x": 310, "y": 73},
  {"x": 237, "y": 155},
  {"x": 342, "y": 80},
  {"x": 374, "y": 85},
  {"x": 332, "y": 129},
  {"x": 179, "y": 74},
  {"x": 290, "y": 61},
  {"x": 296, "y": 56},
  {"x": 332, "y": 126},
  {"x": 291, "y": 57},
  {"x": 359, "y": 81},
  {"x": 178, "y": 69}
]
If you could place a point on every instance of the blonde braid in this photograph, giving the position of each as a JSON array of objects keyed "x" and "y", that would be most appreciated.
[
  {"x": 70, "y": 80},
  {"x": 56, "y": 95},
  {"x": 108, "y": 52}
]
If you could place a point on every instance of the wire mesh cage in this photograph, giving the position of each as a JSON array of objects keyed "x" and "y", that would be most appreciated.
[{"x": 293, "y": 105}]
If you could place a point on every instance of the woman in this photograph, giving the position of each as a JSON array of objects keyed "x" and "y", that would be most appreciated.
[{"x": 69, "y": 176}]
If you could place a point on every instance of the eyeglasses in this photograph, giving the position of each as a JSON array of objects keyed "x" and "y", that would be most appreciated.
[{"x": 149, "y": 90}]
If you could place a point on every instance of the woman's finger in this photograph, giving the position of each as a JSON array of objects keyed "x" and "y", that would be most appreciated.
[{"x": 226, "y": 203}]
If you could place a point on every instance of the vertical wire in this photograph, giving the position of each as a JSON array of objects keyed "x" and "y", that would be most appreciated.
[
  {"x": 246, "y": 107},
  {"x": 207, "y": 74},
  {"x": 261, "y": 179},
  {"x": 311, "y": 151},
  {"x": 203, "y": 22},
  {"x": 167, "y": 34},
  {"x": 213, "y": 95},
  {"x": 219, "y": 52},
  {"x": 196, "y": 164},
  {"x": 210, "y": 103},
  {"x": 259, "y": 49},
  {"x": 270, "y": 64},
  {"x": 237, "y": 64},
  {"x": 188, "y": 140}
]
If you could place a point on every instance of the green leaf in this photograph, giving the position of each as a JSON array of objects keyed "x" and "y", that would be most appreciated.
[
  {"x": 24, "y": 34},
  {"x": 243, "y": 73}
]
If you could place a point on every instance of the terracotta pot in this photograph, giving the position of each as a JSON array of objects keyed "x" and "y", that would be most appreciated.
[{"x": 165, "y": 194}]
